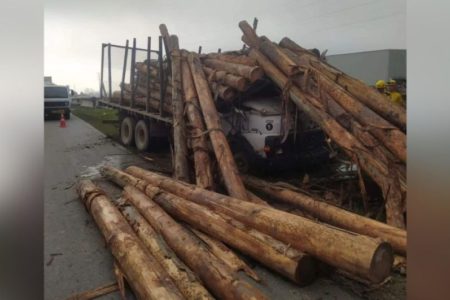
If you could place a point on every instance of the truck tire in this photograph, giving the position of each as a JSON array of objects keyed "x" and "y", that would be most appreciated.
[
  {"x": 67, "y": 115},
  {"x": 141, "y": 135},
  {"x": 127, "y": 131}
]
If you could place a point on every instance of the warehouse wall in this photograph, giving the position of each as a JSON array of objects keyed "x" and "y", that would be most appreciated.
[{"x": 371, "y": 66}]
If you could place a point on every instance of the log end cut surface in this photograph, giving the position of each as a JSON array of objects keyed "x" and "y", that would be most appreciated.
[
  {"x": 382, "y": 262},
  {"x": 306, "y": 271}
]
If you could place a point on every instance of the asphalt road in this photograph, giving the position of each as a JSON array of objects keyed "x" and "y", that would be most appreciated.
[{"x": 75, "y": 255}]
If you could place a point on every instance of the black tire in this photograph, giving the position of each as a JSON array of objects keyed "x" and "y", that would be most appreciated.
[
  {"x": 141, "y": 135},
  {"x": 127, "y": 131},
  {"x": 67, "y": 115}
]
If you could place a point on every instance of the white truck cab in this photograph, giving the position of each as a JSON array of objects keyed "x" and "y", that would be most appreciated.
[{"x": 57, "y": 100}]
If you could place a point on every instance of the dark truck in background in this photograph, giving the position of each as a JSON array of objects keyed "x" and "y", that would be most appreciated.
[{"x": 57, "y": 100}]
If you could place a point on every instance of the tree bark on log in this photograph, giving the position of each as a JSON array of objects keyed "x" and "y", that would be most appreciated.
[
  {"x": 221, "y": 251},
  {"x": 332, "y": 214},
  {"x": 181, "y": 166},
  {"x": 367, "y": 95},
  {"x": 376, "y": 170},
  {"x": 301, "y": 272},
  {"x": 182, "y": 276},
  {"x": 218, "y": 277},
  {"x": 222, "y": 91},
  {"x": 366, "y": 257},
  {"x": 251, "y": 73},
  {"x": 237, "y": 82},
  {"x": 222, "y": 150},
  {"x": 236, "y": 59},
  {"x": 144, "y": 274},
  {"x": 202, "y": 161}
]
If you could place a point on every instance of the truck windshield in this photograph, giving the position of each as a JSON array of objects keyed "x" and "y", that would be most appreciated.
[{"x": 55, "y": 92}]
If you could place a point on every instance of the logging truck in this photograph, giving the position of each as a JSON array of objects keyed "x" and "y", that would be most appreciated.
[
  {"x": 57, "y": 99},
  {"x": 260, "y": 133}
]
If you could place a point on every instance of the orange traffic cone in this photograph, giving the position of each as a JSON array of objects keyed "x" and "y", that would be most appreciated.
[{"x": 62, "y": 121}]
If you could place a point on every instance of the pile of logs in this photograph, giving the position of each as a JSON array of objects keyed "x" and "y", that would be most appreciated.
[{"x": 175, "y": 237}]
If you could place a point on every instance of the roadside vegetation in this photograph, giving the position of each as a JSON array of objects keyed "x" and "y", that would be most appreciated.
[{"x": 103, "y": 119}]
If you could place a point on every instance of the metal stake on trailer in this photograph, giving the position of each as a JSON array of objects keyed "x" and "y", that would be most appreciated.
[
  {"x": 109, "y": 72},
  {"x": 149, "y": 47},
  {"x": 162, "y": 91},
  {"x": 101, "y": 70},
  {"x": 124, "y": 71},
  {"x": 132, "y": 70}
]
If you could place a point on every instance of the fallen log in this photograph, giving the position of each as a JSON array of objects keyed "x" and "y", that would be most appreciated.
[
  {"x": 222, "y": 150},
  {"x": 251, "y": 73},
  {"x": 199, "y": 143},
  {"x": 332, "y": 214},
  {"x": 379, "y": 172},
  {"x": 216, "y": 276},
  {"x": 180, "y": 155},
  {"x": 144, "y": 274},
  {"x": 367, "y": 95},
  {"x": 302, "y": 271},
  {"x": 221, "y": 251},
  {"x": 222, "y": 91},
  {"x": 366, "y": 257},
  {"x": 182, "y": 276},
  {"x": 237, "y": 82}
]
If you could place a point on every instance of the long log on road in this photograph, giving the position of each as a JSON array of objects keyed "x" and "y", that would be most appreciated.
[
  {"x": 332, "y": 214},
  {"x": 182, "y": 276},
  {"x": 366, "y": 257},
  {"x": 222, "y": 150},
  {"x": 301, "y": 271},
  {"x": 199, "y": 143},
  {"x": 221, "y": 251},
  {"x": 144, "y": 274},
  {"x": 216, "y": 276},
  {"x": 251, "y": 73},
  {"x": 378, "y": 171},
  {"x": 367, "y": 95}
]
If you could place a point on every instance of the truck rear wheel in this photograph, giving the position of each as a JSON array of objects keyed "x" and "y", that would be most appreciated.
[
  {"x": 127, "y": 131},
  {"x": 141, "y": 135}
]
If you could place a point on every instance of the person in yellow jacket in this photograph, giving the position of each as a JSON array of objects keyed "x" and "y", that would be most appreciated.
[
  {"x": 394, "y": 95},
  {"x": 381, "y": 86}
]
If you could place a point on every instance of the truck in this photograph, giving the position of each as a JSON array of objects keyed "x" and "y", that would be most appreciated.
[
  {"x": 253, "y": 125},
  {"x": 57, "y": 99}
]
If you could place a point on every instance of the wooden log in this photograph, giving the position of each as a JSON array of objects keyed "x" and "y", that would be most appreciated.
[
  {"x": 221, "y": 251},
  {"x": 331, "y": 214},
  {"x": 237, "y": 59},
  {"x": 352, "y": 147},
  {"x": 251, "y": 73},
  {"x": 222, "y": 91},
  {"x": 142, "y": 68},
  {"x": 219, "y": 142},
  {"x": 389, "y": 135},
  {"x": 181, "y": 166},
  {"x": 140, "y": 102},
  {"x": 182, "y": 276},
  {"x": 202, "y": 162},
  {"x": 302, "y": 271},
  {"x": 144, "y": 274},
  {"x": 216, "y": 276},
  {"x": 95, "y": 293},
  {"x": 361, "y": 255},
  {"x": 367, "y": 95},
  {"x": 237, "y": 82}
]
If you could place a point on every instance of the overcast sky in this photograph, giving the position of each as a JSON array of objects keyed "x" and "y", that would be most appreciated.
[{"x": 74, "y": 30}]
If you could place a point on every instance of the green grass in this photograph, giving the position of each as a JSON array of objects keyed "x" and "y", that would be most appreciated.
[{"x": 96, "y": 116}]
